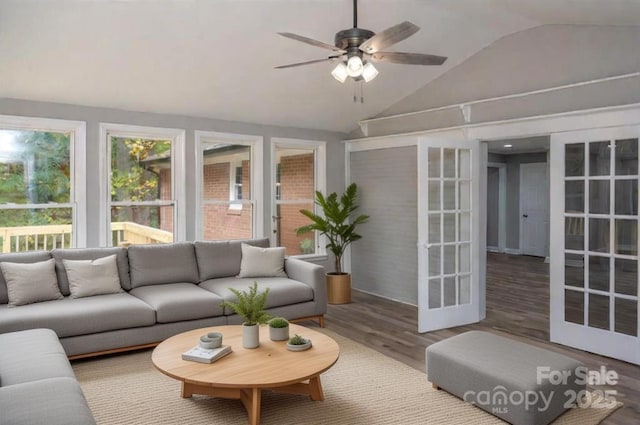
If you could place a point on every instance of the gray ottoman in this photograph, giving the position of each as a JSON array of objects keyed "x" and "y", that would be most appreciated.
[{"x": 519, "y": 383}]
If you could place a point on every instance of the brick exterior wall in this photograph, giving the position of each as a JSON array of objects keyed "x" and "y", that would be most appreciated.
[
  {"x": 296, "y": 182},
  {"x": 219, "y": 221}
]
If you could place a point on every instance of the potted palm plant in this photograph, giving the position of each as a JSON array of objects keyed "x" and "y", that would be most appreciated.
[
  {"x": 339, "y": 227},
  {"x": 250, "y": 306}
]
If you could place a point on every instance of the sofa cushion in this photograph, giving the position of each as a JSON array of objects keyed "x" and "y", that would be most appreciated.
[
  {"x": 54, "y": 401},
  {"x": 174, "y": 302},
  {"x": 222, "y": 258},
  {"x": 262, "y": 262},
  {"x": 282, "y": 291},
  {"x": 93, "y": 277},
  {"x": 31, "y": 283},
  {"x": 19, "y": 257},
  {"x": 162, "y": 263},
  {"x": 79, "y": 316},
  {"x": 32, "y": 355},
  {"x": 90, "y": 254}
]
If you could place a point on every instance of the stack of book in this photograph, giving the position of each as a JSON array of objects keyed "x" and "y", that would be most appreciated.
[{"x": 206, "y": 355}]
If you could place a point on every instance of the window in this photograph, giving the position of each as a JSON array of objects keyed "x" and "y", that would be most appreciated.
[
  {"x": 229, "y": 197},
  {"x": 298, "y": 171},
  {"x": 143, "y": 168},
  {"x": 41, "y": 184}
]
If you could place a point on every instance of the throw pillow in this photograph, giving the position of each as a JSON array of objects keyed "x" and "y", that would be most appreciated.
[
  {"x": 262, "y": 262},
  {"x": 93, "y": 277},
  {"x": 31, "y": 282}
]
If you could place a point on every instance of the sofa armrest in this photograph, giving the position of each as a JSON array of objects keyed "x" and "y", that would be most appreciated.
[{"x": 311, "y": 274}]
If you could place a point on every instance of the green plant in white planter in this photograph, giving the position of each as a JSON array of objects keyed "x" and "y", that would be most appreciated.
[
  {"x": 250, "y": 306},
  {"x": 279, "y": 329}
]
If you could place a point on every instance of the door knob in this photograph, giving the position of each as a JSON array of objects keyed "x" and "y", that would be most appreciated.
[{"x": 525, "y": 215}]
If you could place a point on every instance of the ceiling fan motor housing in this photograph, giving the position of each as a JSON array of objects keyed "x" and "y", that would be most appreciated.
[{"x": 353, "y": 37}]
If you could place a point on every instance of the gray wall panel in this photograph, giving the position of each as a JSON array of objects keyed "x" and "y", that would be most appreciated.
[
  {"x": 493, "y": 181},
  {"x": 385, "y": 261}
]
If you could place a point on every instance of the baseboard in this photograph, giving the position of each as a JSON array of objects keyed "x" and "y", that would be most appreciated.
[
  {"x": 383, "y": 297},
  {"x": 547, "y": 260},
  {"x": 512, "y": 251},
  {"x": 494, "y": 249}
]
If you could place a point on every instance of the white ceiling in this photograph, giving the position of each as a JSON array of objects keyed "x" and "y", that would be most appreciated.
[{"x": 215, "y": 58}]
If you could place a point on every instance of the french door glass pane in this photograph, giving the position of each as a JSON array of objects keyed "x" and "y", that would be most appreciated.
[
  {"x": 465, "y": 226},
  {"x": 626, "y": 237},
  {"x": 449, "y": 291},
  {"x": 627, "y": 157},
  {"x": 449, "y": 195},
  {"x": 626, "y": 276},
  {"x": 574, "y": 159},
  {"x": 574, "y": 270},
  {"x": 434, "y": 162},
  {"x": 574, "y": 233},
  {"x": 465, "y": 195},
  {"x": 464, "y": 256},
  {"x": 626, "y": 197},
  {"x": 434, "y": 195},
  {"x": 464, "y": 164},
  {"x": 599, "y": 235},
  {"x": 598, "y": 311},
  {"x": 574, "y": 196},
  {"x": 435, "y": 293},
  {"x": 599, "y": 196},
  {"x": 599, "y": 273},
  {"x": 574, "y": 306},
  {"x": 434, "y": 228},
  {"x": 626, "y": 316},
  {"x": 449, "y": 252},
  {"x": 599, "y": 158},
  {"x": 449, "y": 231},
  {"x": 434, "y": 253},
  {"x": 465, "y": 289},
  {"x": 449, "y": 162}
]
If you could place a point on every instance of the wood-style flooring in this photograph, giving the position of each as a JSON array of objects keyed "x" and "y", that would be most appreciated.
[{"x": 517, "y": 307}]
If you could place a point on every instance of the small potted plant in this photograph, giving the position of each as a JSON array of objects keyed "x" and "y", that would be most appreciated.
[
  {"x": 250, "y": 306},
  {"x": 298, "y": 343},
  {"x": 278, "y": 329}
]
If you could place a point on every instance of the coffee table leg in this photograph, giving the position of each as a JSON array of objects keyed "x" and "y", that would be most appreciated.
[
  {"x": 315, "y": 389},
  {"x": 186, "y": 390},
  {"x": 251, "y": 398}
]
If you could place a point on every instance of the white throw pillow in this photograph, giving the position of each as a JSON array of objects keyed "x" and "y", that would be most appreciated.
[
  {"x": 262, "y": 262},
  {"x": 93, "y": 277},
  {"x": 31, "y": 282}
]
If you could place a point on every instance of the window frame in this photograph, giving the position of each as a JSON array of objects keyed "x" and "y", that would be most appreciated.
[
  {"x": 77, "y": 156},
  {"x": 256, "y": 171},
  {"x": 320, "y": 184},
  {"x": 178, "y": 189}
]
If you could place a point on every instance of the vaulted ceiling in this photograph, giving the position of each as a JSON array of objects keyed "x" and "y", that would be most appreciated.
[{"x": 215, "y": 58}]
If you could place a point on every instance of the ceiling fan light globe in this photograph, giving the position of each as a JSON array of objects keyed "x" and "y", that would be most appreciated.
[
  {"x": 354, "y": 66},
  {"x": 340, "y": 72},
  {"x": 369, "y": 72}
]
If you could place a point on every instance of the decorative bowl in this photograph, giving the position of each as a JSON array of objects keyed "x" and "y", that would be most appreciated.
[
  {"x": 301, "y": 347},
  {"x": 211, "y": 340}
]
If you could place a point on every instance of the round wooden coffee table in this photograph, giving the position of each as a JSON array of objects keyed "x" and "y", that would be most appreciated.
[{"x": 245, "y": 373}]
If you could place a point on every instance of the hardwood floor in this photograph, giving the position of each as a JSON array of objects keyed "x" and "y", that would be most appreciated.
[{"x": 517, "y": 307}]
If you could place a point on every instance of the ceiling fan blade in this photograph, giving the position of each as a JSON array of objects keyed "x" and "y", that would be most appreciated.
[
  {"x": 408, "y": 58},
  {"x": 311, "y": 41},
  {"x": 306, "y": 63},
  {"x": 389, "y": 37}
]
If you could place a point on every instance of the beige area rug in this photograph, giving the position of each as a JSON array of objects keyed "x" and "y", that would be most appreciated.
[{"x": 363, "y": 387}]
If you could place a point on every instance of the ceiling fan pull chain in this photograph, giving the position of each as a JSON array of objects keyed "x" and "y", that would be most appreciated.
[
  {"x": 355, "y": 95},
  {"x": 361, "y": 92}
]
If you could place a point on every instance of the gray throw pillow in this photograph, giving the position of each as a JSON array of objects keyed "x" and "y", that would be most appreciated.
[
  {"x": 262, "y": 262},
  {"x": 93, "y": 277},
  {"x": 31, "y": 282}
]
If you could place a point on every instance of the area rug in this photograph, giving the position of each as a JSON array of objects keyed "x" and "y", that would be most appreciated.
[{"x": 363, "y": 387}]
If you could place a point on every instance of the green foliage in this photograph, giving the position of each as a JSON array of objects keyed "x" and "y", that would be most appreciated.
[
  {"x": 297, "y": 340},
  {"x": 307, "y": 246},
  {"x": 335, "y": 222},
  {"x": 278, "y": 322},
  {"x": 250, "y": 305}
]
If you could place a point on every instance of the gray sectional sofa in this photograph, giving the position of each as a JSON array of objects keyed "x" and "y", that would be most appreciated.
[
  {"x": 166, "y": 289},
  {"x": 37, "y": 384}
]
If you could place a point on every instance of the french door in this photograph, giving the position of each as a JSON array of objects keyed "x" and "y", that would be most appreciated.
[
  {"x": 594, "y": 241},
  {"x": 450, "y": 285}
]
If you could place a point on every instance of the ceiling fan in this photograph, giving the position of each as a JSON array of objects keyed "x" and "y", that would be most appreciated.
[{"x": 355, "y": 48}]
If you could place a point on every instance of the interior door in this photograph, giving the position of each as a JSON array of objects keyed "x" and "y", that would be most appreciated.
[
  {"x": 534, "y": 209},
  {"x": 450, "y": 261},
  {"x": 594, "y": 245}
]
